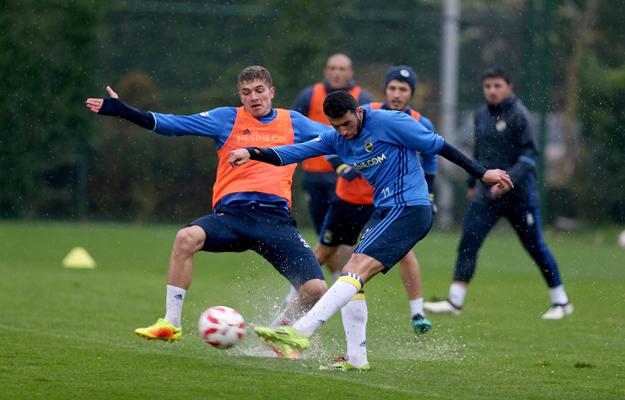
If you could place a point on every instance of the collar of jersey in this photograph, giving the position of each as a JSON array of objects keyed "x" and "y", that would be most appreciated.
[{"x": 269, "y": 117}]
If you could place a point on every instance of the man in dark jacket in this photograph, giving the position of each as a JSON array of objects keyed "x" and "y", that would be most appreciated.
[{"x": 504, "y": 137}]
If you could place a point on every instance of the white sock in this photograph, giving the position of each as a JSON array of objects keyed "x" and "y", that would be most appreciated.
[
  {"x": 456, "y": 294},
  {"x": 173, "y": 304},
  {"x": 354, "y": 316},
  {"x": 558, "y": 295},
  {"x": 416, "y": 307},
  {"x": 335, "y": 298}
]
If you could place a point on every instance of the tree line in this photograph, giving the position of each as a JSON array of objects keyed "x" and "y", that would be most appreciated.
[{"x": 58, "y": 161}]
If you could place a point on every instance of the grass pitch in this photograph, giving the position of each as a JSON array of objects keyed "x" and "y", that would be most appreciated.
[{"x": 68, "y": 333}]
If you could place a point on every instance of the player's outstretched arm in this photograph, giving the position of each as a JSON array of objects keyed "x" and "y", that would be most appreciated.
[
  {"x": 242, "y": 156},
  {"x": 283, "y": 155},
  {"x": 112, "y": 106},
  {"x": 490, "y": 177}
]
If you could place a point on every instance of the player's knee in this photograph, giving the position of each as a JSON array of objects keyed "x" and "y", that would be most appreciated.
[
  {"x": 189, "y": 239},
  {"x": 312, "y": 290},
  {"x": 363, "y": 266}
]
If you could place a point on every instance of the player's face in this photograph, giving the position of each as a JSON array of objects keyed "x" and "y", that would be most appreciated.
[
  {"x": 496, "y": 90},
  {"x": 338, "y": 72},
  {"x": 349, "y": 125},
  {"x": 398, "y": 94},
  {"x": 256, "y": 97}
]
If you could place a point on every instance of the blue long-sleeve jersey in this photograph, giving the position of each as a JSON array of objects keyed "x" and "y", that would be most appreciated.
[
  {"x": 429, "y": 162},
  {"x": 218, "y": 123},
  {"x": 384, "y": 152}
]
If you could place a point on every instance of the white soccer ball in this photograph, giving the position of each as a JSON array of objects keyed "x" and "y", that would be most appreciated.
[
  {"x": 221, "y": 327},
  {"x": 621, "y": 240}
]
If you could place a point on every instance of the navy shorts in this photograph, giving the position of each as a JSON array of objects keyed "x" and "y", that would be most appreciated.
[
  {"x": 343, "y": 223},
  {"x": 270, "y": 232},
  {"x": 393, "y": 231}
]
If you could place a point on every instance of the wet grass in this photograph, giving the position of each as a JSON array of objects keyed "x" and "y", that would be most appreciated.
[{"x": 68, "y": 333}]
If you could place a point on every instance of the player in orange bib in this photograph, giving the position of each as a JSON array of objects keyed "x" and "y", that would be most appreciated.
[
  {"x": 319, "y": 177},
  {"x": 251, "y": 204}
]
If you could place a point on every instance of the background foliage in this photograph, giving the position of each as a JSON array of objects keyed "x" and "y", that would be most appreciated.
[{"x": 57, "y": 160}]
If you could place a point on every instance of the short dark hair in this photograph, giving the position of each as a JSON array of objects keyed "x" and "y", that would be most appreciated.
[
  {"x": 255, "y": 72},
  {"x": 338, "y": 103},
  {"x": 496, "y": 72}
]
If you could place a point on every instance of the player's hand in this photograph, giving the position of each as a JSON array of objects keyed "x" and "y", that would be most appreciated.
[
  {"x": 238, "y": 157},
  {"x": 347, "y": 172},
  {"x": 498, "y": 177},
  {"x": 94, "y": 105}
]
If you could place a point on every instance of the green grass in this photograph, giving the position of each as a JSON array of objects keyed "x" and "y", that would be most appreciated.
[{"x": 68, "y": 333}]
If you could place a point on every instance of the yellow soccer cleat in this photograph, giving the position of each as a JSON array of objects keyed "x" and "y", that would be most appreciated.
[
  {"x": 283, "y": 335},
  {"x": 161, "y": 330},
  {"x": 342, "y": 364}
]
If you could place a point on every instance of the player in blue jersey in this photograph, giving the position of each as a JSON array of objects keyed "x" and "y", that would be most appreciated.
[
  {"x": 353, "y": 206},
  {"x": 383, "y": 146},
  {"x": 251, "y": 207}
]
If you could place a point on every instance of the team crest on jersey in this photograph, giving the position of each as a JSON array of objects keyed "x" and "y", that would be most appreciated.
[
  {"x": 501, "y": 125},
  {"x": 327, "y": 236},
  {"x": 368, "y": 146}
]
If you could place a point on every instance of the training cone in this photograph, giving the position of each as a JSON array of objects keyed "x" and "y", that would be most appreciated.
[{"x": 78, "y": 258}]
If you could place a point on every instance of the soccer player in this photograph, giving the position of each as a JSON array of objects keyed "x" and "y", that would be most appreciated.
[
  {"x": 319, "y": 177},
  {"x": 353, "y": 205},
  {"x": 251, "y": 205},
  {"x": 504, "y": 136},
  {"x": 383, "y": 146}
]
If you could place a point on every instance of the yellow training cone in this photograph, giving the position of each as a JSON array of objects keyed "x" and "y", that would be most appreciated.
[{"x": 78, "y": 258}]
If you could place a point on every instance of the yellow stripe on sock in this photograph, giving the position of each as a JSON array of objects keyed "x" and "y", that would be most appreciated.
[
  {"x": 359, "y": 296},
  {"x": 351, "y": 280}
]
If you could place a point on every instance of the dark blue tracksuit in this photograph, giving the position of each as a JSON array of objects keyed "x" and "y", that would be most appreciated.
[{"x": 505, "y": 139}]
